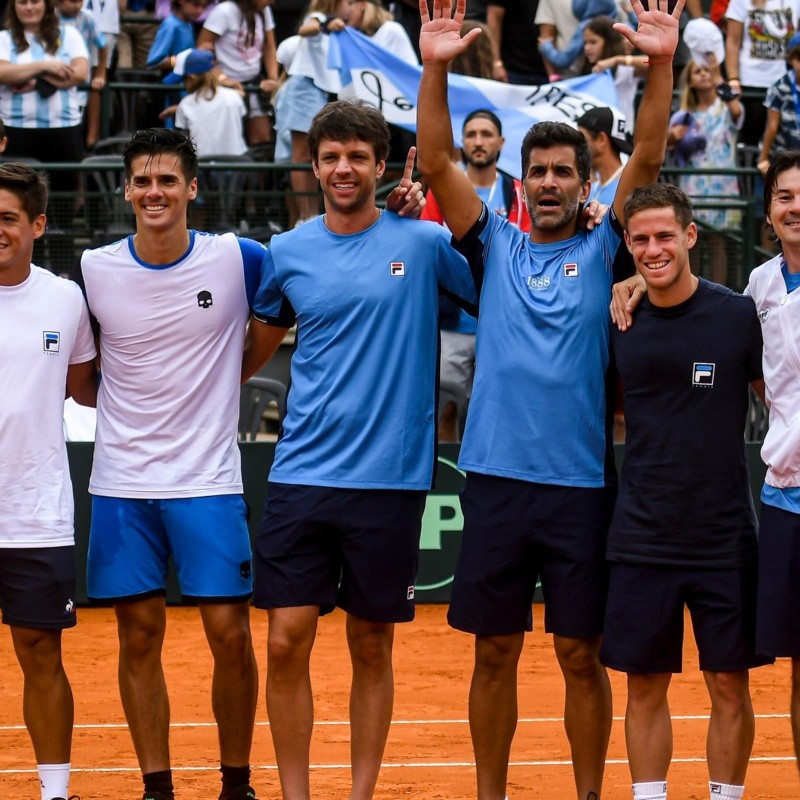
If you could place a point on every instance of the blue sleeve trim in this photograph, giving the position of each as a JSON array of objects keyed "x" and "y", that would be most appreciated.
[
  {"x": 252, "y": 259},
  {"x": 472, "y": 248}
]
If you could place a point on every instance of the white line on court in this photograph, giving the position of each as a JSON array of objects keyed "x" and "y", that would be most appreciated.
[
  {"x": 329, "y": 723},
  {"x": 407, "y": 765}
]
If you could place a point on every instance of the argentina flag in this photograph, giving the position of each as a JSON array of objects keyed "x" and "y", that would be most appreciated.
[{"x": 373, "y": 74}]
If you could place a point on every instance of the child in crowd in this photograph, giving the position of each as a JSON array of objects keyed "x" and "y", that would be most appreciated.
[
  {"x": 210, "y": 113},
  {"x": 71, "y": 13},
  {"x": 782, "y": 131},
  {"x": 308, "y": 89},
  {"x": 242, "y": 35},
  {"x": 604, "y": 48},
  {"x": 175, "y": 34}
]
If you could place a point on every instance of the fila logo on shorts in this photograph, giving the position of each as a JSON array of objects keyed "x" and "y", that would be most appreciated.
[
  {"x": 397, "y": 268},
  {"x": 703, "y": 375},
  {"x": 571, "y": 270},
  {"x": 410, "y": 593},
  {"x": 51, "y": 341}
]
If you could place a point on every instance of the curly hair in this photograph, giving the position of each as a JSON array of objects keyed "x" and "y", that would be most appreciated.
[{"x": 48, "y": 33}]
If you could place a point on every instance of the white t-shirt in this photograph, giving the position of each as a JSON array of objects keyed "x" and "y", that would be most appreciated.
[
  {"x": 626, "y": 84},
  {"x": 105, "y": 13},
  {"x": 237, "y": 60},
  {"x": 63, "y": 109},
  {"x": 171, "y": 343},
  {"x": 44, "y": 327},
  {"x": 311, "y": 59},
  {"x": 214, "y": 124},
  {"x": 392, "y": 36},
  {"x": 764, "y": 37}
]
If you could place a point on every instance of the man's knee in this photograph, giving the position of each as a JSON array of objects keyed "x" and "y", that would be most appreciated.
[
  {"x": 370, "y": 644},
  {"x": 495, "y": 655},
  {"x": 290, "y": 638},
  {"x": 38, "y": 651},
  {"x": 730, "y": 691},
  {"x": 140, "y": 627},
  {"x": 578, "y": 658}
]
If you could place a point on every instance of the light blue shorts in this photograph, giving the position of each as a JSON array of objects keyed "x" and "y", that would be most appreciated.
[
  {"x": 131, "y": 541},
  {"x": 303, "y": 99}
]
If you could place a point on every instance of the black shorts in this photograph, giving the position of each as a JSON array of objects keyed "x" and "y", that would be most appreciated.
[
  {"x": 353, "y": 548},
  {"x": 37, "y": 587},
  {"x": 778, "y": 609},
  {"x": 644, "y": 618},
  {"x": 516, "y": 532}
]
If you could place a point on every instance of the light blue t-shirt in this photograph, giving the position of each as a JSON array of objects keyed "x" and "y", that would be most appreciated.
[
  {"x": 538, "y": 407},
  {"x": 360, "y": 410}
]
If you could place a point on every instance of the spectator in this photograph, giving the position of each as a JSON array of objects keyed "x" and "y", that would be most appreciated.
[
  {"x": 136, "y": 34},
  {"x": 703, "y": 134},
  {"x": 477, "y": 59},
  {"x": 241, "y": 34},
  {"x": 513, "y": 26},
  {"x": 556, "y": 23},
  {"x": 308, "y": 90},
  {"x": 568, "y": 58},
  {"x": 41, "y": 64},
  {"x": 604, "y": 48},
  {"x": 782, "y": 131},
  {"x": 605, "y": 133},
  {"x": 71, "y": 13},
  {"x": 106, "y": 15},
  {"x": 175, "y": 34},
  {"x": 755, "y": 54},
  {"x": 210, "y": 113},
  {"x": 372, "y": 19}
]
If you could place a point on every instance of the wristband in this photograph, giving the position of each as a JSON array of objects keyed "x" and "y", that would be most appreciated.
[{"x": 628, "y": 61}]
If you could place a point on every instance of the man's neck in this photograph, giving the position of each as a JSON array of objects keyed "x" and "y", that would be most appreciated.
[
  {"x": 347, "y": 223},
  {"x": 482, "y": 177},
  {"x": 608, "y": 167},
  {"x": 161, "y": 247},
  {"x": 791, "y": 257}
]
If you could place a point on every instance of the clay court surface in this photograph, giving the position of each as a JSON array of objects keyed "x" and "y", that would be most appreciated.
[{"x": 428, "y": 754}]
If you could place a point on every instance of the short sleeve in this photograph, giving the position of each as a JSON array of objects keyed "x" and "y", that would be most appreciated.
[
  {"x": 252, "y": 261},
  {"x": 84, "y": 349},
  {"x": 271, "y": 305}
]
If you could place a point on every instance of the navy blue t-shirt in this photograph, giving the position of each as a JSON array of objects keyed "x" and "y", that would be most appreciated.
[{"x": 684, "y": 497}]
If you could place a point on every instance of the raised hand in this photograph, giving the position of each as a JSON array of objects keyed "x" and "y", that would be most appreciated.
[
  {"x": 656, "y": 34},
  {"x": 407, "y": 198},
  {"x": 440, "y": 37}
]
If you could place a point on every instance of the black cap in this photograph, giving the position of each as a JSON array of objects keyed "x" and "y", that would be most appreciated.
[{"x": 608, "y": 121}]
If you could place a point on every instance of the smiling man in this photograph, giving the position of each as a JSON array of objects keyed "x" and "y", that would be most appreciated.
[
  {"x": 356, "y": 455},
  {"x": 537, "y": 447},
  {"x": 683, "y": 533},
  {"x": 170, "y": 306}
]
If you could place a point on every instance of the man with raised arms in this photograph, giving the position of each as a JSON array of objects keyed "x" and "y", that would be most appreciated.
[{"x": 537, "y": 447}]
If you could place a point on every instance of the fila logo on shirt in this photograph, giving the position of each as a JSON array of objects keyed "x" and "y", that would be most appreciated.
[
  {"x": 397, "y": 269},
  {"x": 51, "y": 341},
  {"x": 703, "y": 374},
  {"x": 571, "y": 271},
  {"x": 763, "y": 314}
]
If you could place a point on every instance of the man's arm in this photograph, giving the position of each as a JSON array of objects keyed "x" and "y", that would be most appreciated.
[
  {"x": 440, "y": 42},
  {"x": 260, "y": 344},
  {"x": 82, "y": 383},
  {"x": 494, "y": 22},
  {"x": 656, "y": 36}
]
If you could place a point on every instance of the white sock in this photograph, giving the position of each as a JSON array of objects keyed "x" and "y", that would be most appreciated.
[
  {"x": 651, "y": 790},
  {"x": 725, "y": 791},
  {"x": 54, "y": 779}
]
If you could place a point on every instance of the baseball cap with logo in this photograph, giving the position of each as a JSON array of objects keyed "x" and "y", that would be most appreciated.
[
  {"x": 609, "y": 121},
  {"x": 194, "y": 61}
]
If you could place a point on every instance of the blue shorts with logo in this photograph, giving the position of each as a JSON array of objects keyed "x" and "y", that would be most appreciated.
[{"x": 132, "y": 540}]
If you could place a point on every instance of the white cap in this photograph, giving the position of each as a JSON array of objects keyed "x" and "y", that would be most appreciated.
[
  {"x": 702, "y": 37},
  {"x": 286, "y": 51}
]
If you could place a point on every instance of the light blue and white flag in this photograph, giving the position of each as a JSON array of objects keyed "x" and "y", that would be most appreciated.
[{"x": 374, "y": 74}]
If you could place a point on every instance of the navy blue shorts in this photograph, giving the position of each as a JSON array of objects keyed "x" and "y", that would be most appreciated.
[
  {"x": 644, "y": 618},
  {"x": 131, "y": 541},
  {"x": 516, "y": 532},
  {"x": 778, "y": 610},
  {"x": 37, "y": 587},
  {"x": 353, "y": 548}
]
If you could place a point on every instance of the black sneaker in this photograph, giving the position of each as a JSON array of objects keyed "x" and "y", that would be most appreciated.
[{"x": 239, "y": 793}]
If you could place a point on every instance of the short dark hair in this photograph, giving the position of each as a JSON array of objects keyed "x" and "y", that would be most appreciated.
[
  {"x": 551, "y": 134},
  {"x": 345, "y": 120},
  {"x": 484, "y": 113},
  {"x": 28, "y": 185},
  {"x": 659, "y": 195},
  {"x": 157, "y": 141},
  {"x": 788, "y": 159}
]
